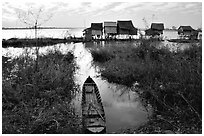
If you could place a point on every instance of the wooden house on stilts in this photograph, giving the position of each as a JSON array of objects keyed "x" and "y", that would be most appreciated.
[
  {"x": 156, "y": 30},
  {"x": 97, "y": 30},
  {"x": 110, "y": 30},
  {"x": 185, "y": 32},
  {"x": 125, "y": 29}
]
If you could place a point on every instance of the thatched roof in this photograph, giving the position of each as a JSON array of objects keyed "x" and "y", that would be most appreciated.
[
  {"x": 127, "y": 25},
  {"x": 157, "y": 26},
  {"x": 97, "y": 26},
  {"x": 185, "y": 28}
]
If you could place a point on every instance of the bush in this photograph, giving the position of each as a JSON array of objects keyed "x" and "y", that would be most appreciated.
[{"x": 101, "y": 55}]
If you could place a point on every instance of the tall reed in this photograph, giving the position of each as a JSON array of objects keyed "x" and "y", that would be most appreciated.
[
  {"x": 39, "y": 102},
  {"x": 171, "y": 81}
]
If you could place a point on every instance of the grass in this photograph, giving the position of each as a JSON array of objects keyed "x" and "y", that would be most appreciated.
[
  {"x": 39, "y": 101},
  {"x": 101, "y": 55},
  {"x": 170, "y": 81}
]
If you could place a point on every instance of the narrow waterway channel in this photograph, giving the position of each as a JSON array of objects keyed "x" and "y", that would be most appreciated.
[{"x": 122, "y": 106}]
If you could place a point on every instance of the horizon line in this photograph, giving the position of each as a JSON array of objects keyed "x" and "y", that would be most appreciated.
[{"x": 53, "y": 27}]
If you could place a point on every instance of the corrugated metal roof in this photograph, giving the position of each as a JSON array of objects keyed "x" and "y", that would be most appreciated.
[{"x": 110, "y": 24}]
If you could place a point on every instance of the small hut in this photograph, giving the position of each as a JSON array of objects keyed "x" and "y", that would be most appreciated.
[
  {"x": 97, "y": 30},
  {"x": 157, "y": 28},
  {"x": 126, "y": 28},
  {"x": 185, "y": 31}
]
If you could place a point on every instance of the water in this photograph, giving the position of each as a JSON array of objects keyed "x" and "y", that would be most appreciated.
[
  {"x": 61, "y": 33},
  {"x": 53, "y": 33},
  {"x": 122, "y": 106},
  {"x": 170, "y": 34}
]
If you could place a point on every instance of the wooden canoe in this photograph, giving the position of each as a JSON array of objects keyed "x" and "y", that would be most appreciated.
[{"x": 93, "y": 115}]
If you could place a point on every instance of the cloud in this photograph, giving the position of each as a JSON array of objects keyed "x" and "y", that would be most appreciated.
[
  {"x": 100, "y": 9},
  {"x": 122, "y": 6},
  {"x": 180, "y": 7}
]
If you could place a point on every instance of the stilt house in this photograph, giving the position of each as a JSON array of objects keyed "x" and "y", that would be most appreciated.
[
  {"x": 185, "y": 31},
  {"x": 97, "y": 30},
  {"x": 110, "y": 29},
  {"x": 126, "y": 28}
]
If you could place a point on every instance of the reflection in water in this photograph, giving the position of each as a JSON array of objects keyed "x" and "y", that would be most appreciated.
[{"x": 122, "y": 106}]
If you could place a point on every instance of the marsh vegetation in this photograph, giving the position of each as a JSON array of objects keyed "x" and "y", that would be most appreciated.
[
  {"x": 39, "y": 101},
  {"x": 171, "y": 81}
]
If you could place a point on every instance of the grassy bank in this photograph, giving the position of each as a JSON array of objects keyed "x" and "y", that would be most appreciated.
[
  {"x": 15, "y": 42},
  {"x": 170, "y": 81},
  {"x": 38, "y": 101}
]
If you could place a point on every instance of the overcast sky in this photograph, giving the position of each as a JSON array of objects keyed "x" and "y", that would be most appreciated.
[{"x": 81, "y": 14}]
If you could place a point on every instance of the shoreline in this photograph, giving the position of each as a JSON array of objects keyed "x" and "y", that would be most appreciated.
[{"x": 26, "y": 42}]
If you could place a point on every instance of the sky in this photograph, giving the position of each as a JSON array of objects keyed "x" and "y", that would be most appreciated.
[{"x": 76, "y": 13}]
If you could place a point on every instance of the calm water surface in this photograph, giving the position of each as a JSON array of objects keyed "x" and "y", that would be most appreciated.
[
  {"x": 53, "y": 33},
  {"x": 122, "y": 106},
  {"x": 61, "y": 33}
]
